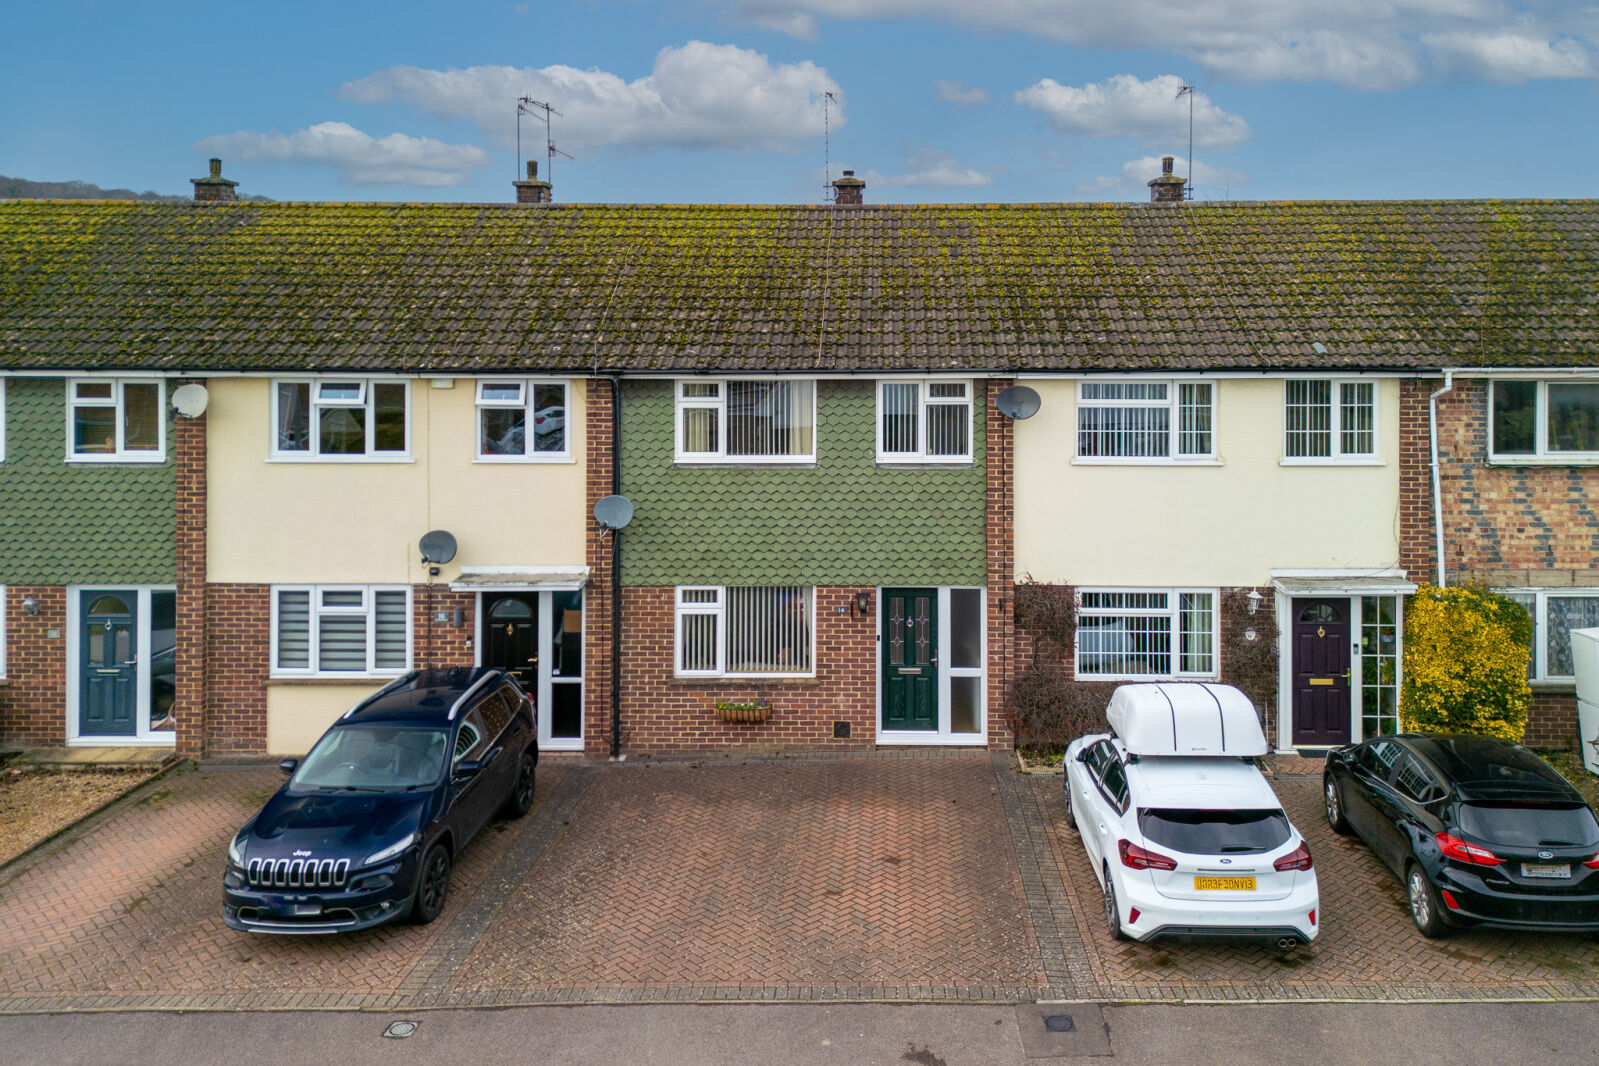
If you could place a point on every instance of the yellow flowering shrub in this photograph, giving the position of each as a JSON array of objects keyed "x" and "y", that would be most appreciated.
[{"x": 1466, "y": 652}]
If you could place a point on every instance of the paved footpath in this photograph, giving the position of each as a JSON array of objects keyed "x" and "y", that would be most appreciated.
[{"x": 934, "y": 877}]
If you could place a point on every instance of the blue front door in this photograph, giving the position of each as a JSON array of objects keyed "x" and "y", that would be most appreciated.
[{"x": 108, "y": 699}]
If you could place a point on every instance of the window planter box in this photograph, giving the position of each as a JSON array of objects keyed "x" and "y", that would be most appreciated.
[{"x": 752, "y": 713}]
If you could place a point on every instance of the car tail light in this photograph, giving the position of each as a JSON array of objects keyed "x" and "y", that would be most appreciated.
[
  {"x": 1298, "y": 859},
  {"x": 1457, "y": 849},
  {"x": 1593, "y": 863},
  {"x": 1136, "y": 858}
]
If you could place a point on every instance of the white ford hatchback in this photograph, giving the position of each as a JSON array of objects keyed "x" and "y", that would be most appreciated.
[{"x": 1184, "y": 833}]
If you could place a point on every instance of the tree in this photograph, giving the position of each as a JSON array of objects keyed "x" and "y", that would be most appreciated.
[{"x": 1466, "y": 652}]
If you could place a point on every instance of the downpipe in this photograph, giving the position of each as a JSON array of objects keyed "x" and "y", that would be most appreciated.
[{"x": 1437, "y": 495}]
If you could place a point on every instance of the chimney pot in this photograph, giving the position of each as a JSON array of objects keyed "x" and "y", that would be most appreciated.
[
  {"x": 849, "y": 189},
  {"x": 532, "y": 191},
  {"x": 215, "y": 188},
  {"x": 1168, "y": 188}
]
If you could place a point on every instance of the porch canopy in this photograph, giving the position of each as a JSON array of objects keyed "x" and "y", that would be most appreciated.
[
  {"x": 1359, "y": 585},
  {"x": 520, "y": 578}
]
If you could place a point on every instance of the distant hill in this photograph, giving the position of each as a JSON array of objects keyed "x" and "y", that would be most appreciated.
[{"x": 23, "y": 189}]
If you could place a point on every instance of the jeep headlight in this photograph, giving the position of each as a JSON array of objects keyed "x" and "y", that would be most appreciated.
[
  {"x": 236, "y": 850},
  {"x": 391, "y": 851}
]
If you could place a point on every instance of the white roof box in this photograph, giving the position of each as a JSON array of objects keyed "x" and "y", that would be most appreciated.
[{"x": 1185, "y": 718}]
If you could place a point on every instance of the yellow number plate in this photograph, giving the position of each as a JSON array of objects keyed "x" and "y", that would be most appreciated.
[{"x": 1225, "y": 884}]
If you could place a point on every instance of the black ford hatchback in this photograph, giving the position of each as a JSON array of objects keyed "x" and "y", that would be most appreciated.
[
  {"x": 1481, "y": 831},
  {"x": 369, "y": 824}
]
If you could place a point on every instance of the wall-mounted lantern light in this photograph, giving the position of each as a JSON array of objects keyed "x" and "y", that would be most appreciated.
[
  {"x": 1254, "y": 598},
  {"x": 863, "y": 603},
  {"x": 30, "y": 605}
]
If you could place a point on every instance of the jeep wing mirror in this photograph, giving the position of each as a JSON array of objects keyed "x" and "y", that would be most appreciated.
[{"x": 288, "y": 765}]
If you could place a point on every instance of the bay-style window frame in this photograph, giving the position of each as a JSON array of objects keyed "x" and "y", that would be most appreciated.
[
  {"x": 704, "y": 614},
  {"x": 86, "y": 395},
  {"x": 947, "y": 400},
  {"x": 332, "y": 393},
  {"x": 325, "y": 604},
  {"x": 1192, "y": 624},
  {"x": 1536, "y": 600},
  {"x": 1119, "y": 421},
  {"x": 501, "y": 395},
  {"x": 1517, "y": 443},
  {"x": 707, "y": 400},
  {"x": 1344, "y": 422}
]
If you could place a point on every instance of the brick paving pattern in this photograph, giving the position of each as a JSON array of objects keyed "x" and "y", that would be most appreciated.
[
  {"x": 925, "y": 876},
  {"x": 870, "y": 872},
  {"x": 1368, "y": 947}
]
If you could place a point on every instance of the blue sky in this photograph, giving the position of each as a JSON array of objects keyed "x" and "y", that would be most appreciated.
[{"x": 721, "y": 100}]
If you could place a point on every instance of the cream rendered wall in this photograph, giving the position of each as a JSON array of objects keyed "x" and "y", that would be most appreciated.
[
  {"x": 272, "y": 522},
  {"x": 1223, "y": 525},
  {"x": 300, "y": 712}
]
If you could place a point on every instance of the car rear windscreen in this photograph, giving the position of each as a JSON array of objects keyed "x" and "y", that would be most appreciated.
[
  {"x": 1530, "y": 826},
  {"x": 1202, "y": 832}
]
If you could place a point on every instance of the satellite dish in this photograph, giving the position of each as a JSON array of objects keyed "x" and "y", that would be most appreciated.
[
  {"x": 613, "y": 512},
  {"x": 1018, "y": 402},
  {"x": 438, "y": 546},
  {"x": 190, "y": 400}
]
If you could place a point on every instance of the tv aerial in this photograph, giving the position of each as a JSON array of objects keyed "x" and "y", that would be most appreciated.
[{"x": 526, "y": 105}]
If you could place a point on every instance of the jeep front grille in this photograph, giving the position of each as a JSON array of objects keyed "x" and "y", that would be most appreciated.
[{"x": 298, "y": 873}]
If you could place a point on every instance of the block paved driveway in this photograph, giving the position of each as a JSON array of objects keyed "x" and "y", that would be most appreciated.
[{"x": 930, "y": 876}]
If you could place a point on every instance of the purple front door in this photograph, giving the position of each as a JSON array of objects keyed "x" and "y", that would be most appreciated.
[{"x": 1321, "y": 671}]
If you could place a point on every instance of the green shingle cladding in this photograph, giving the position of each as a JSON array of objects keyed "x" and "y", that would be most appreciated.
[
  {"x": 578, "y": 287},
  {"x": 845, "y": 521},
  {"x": 61, "y": 524}
]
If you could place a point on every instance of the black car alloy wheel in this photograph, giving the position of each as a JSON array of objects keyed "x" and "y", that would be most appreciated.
[
  {"x": 433, "y": 885},
  {"x": 520, "y": 801},
  {"x": 1425, "y": 907},
  {"x": 1335, "y": 809}
]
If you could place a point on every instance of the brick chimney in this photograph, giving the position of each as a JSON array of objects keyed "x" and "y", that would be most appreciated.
[
  {"x": 1168, "y": 188},
  {"x": 532, "y": 191},
  {"x": 213, "y": 189},
  {"x": 849, "y": 189}
]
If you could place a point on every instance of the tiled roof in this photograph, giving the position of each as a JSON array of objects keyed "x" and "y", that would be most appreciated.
[{"x": 1003, "y": 287}]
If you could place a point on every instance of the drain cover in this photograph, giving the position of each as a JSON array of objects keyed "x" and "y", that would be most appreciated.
[
  {"x": 401, "y": 1030},
  {"x": 1059, "y": 1023}
]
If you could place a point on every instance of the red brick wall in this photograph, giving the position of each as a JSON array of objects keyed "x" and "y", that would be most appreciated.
[
  {"x": 1001, "y": 551},
  {"x": 662, "y": 713},
  {"x": 238, "y": 628},
  {"x": 435, "y": 643},
  {"x": 597, "y": 597},
  {"x": 1503, "y": 526},
  {"x": 33, "y": 701},
  {"x": 189, "y": 457}
]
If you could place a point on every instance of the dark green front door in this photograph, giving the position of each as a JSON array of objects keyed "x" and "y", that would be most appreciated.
[
  {"x": 108, "y": 700},
  {"x": 910, "y": 659}
]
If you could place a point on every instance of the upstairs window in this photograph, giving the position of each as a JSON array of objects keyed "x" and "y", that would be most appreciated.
[
  {"x": 116, "y": 420},
  {"x": 521, "y": 420},
  {"x": 341, "y": 630},
  {"x": 748, "y": 421},
  {"x": 1146, "y": 421},
  {"x": 744, "y": 631},
  {"x": 1550, "y": 420},
  {"x": 1329, "y": 421},
  {"x": 924, "y": 421},
  {"x": 340, "y": 419}
]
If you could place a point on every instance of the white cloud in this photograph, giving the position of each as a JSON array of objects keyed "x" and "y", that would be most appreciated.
[
  {"x": 932, "y": 168},
  {"x": 956, "y": 92},
  {"x": 1509, "y": 58},
  {"x": 795, "y": 24},
  {"x": 1213, "y": 183},
  {"x": 1364, "y": 44},
  {"x": 697, "y": 96},
  {"x": 1124, "y": 106},
  {"x": 359, "y": 158}
]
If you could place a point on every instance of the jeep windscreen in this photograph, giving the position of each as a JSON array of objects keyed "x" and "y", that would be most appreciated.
[
  {"x": 373, "y": 758},
  {"x": 1214, "y": 832}
]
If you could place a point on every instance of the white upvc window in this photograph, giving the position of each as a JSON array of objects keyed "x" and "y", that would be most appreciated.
[
  {"x": 1139, "y": 421},
  {"x": 924, "y": 420},
  {"x": 1555, "y": 613},
  {"x": 121, "y": 420},
  {"x": 341, "y": 419},
  {"x": 745, "y": 631},
  {"x": 1131, "y": 633},
  {"x": 1554, "y": 421},
  {"x": 746, "y": 420},
  {"x": 1329, "y": 421},
  {"x": 341, "y": 630},
  {"x": 520, "y": 420}
]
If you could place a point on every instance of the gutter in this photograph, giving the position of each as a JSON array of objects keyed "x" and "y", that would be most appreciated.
[{"x": 1437, "y": 495}]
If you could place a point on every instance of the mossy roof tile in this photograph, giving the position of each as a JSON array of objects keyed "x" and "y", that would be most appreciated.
[{"x": 249, "y": 286}]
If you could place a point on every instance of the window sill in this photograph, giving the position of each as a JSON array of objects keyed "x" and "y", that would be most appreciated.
[
  {"x": 921, "y": 460},
  {"x": 1367, "y": 461},
  {"x": 340, "y": 460},
  {"x": 1136, "y": 461},
  {"x": 116, "y": 460},
  {"x": 1554, "y": 687},
  {"x": 723, "y": 461},
  {"x": 523, "y": 460},
  {"x": 761, "y": 681},
  {"x": 1543, "y": 460},
  {"x": 326, "y": 680}
]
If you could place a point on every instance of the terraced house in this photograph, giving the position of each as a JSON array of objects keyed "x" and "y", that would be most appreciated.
[{"x": 410, "y": 413}]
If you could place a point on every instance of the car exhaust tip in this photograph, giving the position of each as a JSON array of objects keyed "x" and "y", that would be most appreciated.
[{"x": 1287, "y": 943}]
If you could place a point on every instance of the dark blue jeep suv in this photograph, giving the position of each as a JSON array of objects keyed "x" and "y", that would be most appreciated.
[{"x": 370, "y": 822}]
